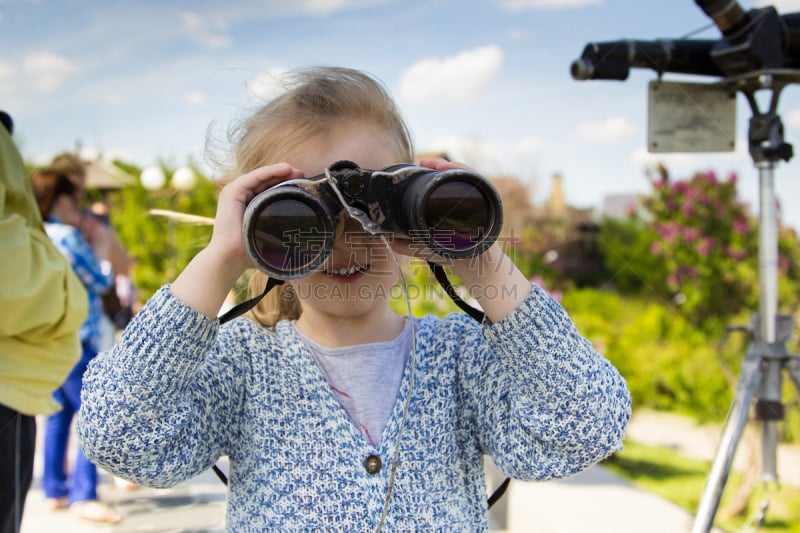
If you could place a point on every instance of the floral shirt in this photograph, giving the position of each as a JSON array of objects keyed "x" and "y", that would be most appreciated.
[{"x": 96, "y": 276}]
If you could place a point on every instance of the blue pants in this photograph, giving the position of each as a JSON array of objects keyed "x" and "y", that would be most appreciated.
[{"x": 81, "y": 484}]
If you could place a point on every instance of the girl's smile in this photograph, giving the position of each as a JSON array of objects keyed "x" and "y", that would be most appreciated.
[{"x": 347, "y": 273}]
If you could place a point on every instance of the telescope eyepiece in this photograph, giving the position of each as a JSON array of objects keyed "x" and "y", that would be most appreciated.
[
  {"x": 728, "y": 15},
  {"x": 608, "y": 69},
  {"x": 581, "y": 69}
]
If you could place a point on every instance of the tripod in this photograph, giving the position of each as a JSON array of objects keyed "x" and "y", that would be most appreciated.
[{"x": 767, "y": 357}]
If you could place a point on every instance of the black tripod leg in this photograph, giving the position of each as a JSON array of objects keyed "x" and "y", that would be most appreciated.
[{"x": 734, "y": 425}]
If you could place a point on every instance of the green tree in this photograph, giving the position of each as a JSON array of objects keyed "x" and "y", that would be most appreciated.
[
  {"x": 161, "y": 245},
  {"x": 630, "y": 267}
]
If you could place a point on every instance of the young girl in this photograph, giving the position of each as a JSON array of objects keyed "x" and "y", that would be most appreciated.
[{"x": 335, "y": 412}]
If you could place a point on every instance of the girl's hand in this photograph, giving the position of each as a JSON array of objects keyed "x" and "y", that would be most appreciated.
[
  {"x": 437, "y": 163},
  {"x": 226, "y": 238},
  {"x": 217, "y": 267},
  {"x": 492, "y": 278},
  {"x": 415, "y": 247}
]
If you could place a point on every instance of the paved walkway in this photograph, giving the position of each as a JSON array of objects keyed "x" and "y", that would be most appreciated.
[
  {"x": 689, "y": 439},
  {"x": 197, "y": 505},
  {"x": 595, "y": 501}
]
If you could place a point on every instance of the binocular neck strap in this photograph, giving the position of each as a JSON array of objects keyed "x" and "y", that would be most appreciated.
[
  {"x": 441, "y": 277},
  {"x": 244, "y": 307},
  {"x": 438, "y": 272}
]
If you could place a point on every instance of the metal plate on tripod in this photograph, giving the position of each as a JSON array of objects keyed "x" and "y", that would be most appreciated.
[{"x": 690, "y": 117}]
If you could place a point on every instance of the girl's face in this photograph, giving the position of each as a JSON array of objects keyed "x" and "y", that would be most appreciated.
[{"x": 360, "y": 272}]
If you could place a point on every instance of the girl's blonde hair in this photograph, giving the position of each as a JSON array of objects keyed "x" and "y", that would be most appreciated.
[{"x": 315, "y": 101}]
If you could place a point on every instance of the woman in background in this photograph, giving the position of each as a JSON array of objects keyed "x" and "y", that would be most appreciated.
[{"x": 58, "y": 197}]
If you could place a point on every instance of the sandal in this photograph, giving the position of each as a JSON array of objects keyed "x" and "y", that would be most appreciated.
[{"x": 95, "y": 511}]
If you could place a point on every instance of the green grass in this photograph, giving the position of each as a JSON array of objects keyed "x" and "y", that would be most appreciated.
[{"x": 680, "y": 480}]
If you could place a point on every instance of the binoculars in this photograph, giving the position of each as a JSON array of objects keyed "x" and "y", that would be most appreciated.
[{"x": 289, "y": 229}]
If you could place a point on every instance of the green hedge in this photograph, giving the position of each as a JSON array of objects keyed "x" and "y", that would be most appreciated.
[{"x": 669, "y": 364}]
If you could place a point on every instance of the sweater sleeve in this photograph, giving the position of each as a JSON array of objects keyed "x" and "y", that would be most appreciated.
[
  {"x": 545, "y": 403},
  {"x": 156, "y": 408}
]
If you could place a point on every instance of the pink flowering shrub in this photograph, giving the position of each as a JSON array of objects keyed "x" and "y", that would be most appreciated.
[{"x": 696, "y": 247}]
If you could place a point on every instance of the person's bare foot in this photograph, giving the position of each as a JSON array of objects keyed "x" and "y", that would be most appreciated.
[
  {"x": 128, "y": 485},
  {"x": 124, "y": 484},
  {"x": 57, "y": 504},
  {"x": 95, "y": 511}
]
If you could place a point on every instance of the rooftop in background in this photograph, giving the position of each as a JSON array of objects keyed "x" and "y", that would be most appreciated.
[
  {"x": 620, "y": 205},
  {"x": 106, "y": 176}
]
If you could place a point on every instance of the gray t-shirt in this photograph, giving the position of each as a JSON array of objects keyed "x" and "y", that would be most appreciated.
[{"x": 365, "y": 378}]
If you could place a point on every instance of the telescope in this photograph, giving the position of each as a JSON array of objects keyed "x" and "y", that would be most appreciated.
[
  {"x": 759, "y": 50},
  {"x": 755, "y": 40}
]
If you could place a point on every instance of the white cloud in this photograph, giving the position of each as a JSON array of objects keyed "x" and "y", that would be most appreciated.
[
  {"x": 783, "y": 6},
  {"x": 459, "y": 77},
  {"x": 213, "y": 25},
  {"x": 266, "y": 85},
  {"x": 521, "y": 5},
  {"x": 326, "y": 7},
  {"x": 531, "y": 146},
  {"x": 6, "y": 76},
  {"x": 613, "y": 130},
  {"x": 793, "y": 119},
  {"x": 493, "y": 156},
  {"x": 47, "y": 71},
  {"x": 113, "y": 98},
  {"x": 209, "y": 31},
  {"x": 195, "y": 98}
]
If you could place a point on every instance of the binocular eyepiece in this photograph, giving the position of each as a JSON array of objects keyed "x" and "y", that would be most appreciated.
[{"x": 289, "y": 229}]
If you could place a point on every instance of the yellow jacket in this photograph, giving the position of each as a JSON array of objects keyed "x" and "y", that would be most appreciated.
[{"x": 42, "y": 302}]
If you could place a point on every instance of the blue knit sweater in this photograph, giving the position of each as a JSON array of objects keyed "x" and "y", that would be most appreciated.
[{"x": 179, "y": 390}]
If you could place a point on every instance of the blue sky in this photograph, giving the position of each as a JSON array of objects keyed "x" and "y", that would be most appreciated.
[{"x": 487, "y": 81}]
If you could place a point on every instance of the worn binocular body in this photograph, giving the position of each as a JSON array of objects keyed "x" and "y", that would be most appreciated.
[{"x": 289, "y": 229}]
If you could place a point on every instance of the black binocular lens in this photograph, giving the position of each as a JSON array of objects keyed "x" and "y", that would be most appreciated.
[
  {"x": 288, "y": 235},
  {"x": 457, "y": 214}
]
